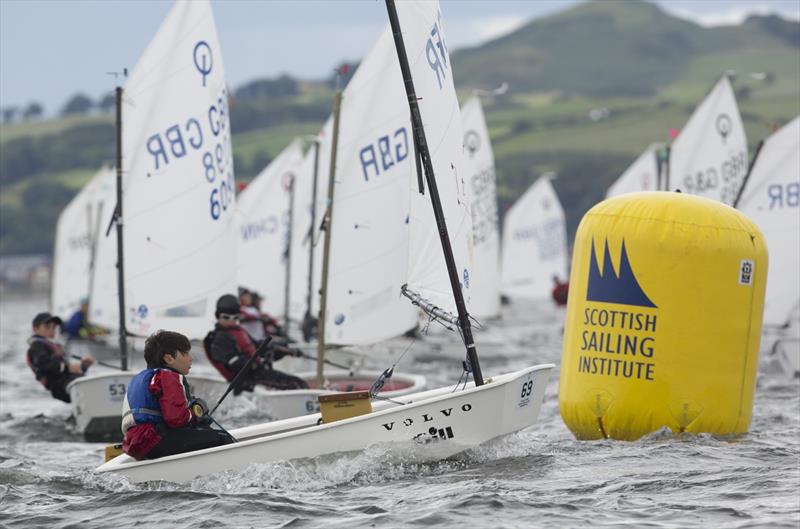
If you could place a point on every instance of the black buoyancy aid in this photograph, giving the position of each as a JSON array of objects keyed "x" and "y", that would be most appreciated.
[
  {"x": 55, "y": 350},
  {"x": 244, "y": 344}
]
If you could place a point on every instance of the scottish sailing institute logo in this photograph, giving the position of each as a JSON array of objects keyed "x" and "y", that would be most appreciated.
[{"x": 612, "y": 287}]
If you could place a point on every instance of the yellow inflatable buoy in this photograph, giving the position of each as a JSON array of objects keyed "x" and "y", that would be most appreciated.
[{"x": 663, "y": 321}]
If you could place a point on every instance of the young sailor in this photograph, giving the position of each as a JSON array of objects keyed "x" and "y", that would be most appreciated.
[
  {"x": 229, "y": 346},
  {"x": 47, "y": 359},
  {"x": 78, "y": 326},
  {"x": 157, "y": 415},
  {"x": 560, "y": 291},
  {"x": 255, "y": 322}
]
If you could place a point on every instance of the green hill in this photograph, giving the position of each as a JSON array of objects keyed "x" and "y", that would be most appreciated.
[
  {"x": 647, "y": 68},
  {"x": 622, "y": 48}
]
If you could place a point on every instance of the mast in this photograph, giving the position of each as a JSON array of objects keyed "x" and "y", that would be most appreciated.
[
  {"x": 310, "y": 291},
  {"x": 666, "y": 167},
  {"x": 93, "y": 236},
  {"x": 123, "y": 332},
  {"x": 327, "y": 221},
  {"x": 749, "y": 171},
  {"x": 288, "y": 252},
  {"x": 424, "y": 154}
]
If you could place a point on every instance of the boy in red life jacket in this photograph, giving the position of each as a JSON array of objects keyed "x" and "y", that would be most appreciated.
[
  {"x": 47, "y": 359},
  {"x": 156, "y": 416},
  {"x": 229, "y": 346}
]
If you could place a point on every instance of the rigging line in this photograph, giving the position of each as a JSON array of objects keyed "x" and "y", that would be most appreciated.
[
  {"x": 378, "y": 397},
  {"x": 413, "y": 341},
  {"x": 458, "y": 381},
  {"x": 323, "y": 226},
  {"x": 427, "y": 325},
  {"x": 467, "y": 369}
]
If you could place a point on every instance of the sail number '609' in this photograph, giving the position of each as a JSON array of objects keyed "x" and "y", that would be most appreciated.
[{"x": 219, "y": 163}]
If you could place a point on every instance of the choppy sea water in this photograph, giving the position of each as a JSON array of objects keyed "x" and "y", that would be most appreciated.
[{"x": 540, "y": 477}]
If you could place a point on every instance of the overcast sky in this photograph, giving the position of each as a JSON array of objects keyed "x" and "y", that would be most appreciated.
[{"x": 51, "y": 49}]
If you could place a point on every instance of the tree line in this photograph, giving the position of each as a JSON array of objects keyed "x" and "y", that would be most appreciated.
[{"x": 78, "y": 105}]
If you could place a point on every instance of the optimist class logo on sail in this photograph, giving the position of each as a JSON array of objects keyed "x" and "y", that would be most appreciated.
[
  {"x": 203, "y": 59},
  {"x": 203, "y": 138}
]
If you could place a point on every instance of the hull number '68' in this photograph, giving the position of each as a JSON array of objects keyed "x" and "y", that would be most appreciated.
[{"x": 526, "y": 390}]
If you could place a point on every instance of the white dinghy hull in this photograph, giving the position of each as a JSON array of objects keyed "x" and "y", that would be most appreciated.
[
  {"x": 97, "y": 404},
  {"x": 284, "y": 404},
  {"x": 97, "y": 401},
  {"x": 433, "y": 424}
]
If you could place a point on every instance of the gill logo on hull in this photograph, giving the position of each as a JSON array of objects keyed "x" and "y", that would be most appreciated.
[{"x": 611, "y": 287}]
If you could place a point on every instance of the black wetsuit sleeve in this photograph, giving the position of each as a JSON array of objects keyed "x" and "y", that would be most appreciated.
[
  {"x": 225, "y": 351},
  {"x": 44, "y": 362}
]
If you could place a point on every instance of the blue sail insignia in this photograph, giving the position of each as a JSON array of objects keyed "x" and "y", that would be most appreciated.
[{"x": 610, "y": 287}]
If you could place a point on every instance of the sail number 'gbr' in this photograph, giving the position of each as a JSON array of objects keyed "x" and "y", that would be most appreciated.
[
  {"x": 436, "y": 51},
  {"x": 390, "y": 151}
]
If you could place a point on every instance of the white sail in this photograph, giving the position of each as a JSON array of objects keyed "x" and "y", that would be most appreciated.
[
  {"x": 534, "y": 243},
  {"x": 369, "y": 235},
  {"x": 479, "y": 164},
  {"x": 771, "y": 198},
  {"x": 301, "y": 239},
  {"x": 263, "y": 228},
  {"x": 305, "y": 234},
  {"x": 432, "y": 74},
  {"x": 103, "y": 301},
  {"x": 80, "y": 226},
  {"x": 178, "y": 190},
  {"x": 642, "y": 175},
  {"x": 709, "y": 157}
]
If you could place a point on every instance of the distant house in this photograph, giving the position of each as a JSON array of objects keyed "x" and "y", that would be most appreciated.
[
  {"x": 25, "y": 272},
  {"x": 597, "y": 114}
]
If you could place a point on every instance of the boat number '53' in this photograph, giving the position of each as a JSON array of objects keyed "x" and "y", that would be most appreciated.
[{"x": 116, "y": 392}]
